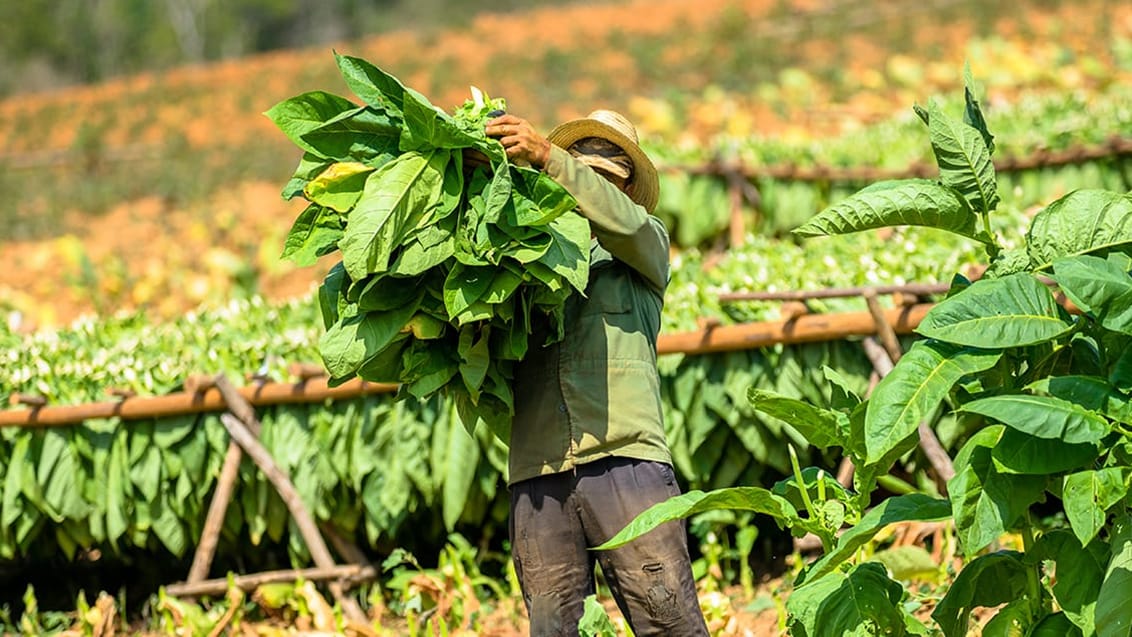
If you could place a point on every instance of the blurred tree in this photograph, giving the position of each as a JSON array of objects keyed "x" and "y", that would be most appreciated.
[{"x": 47, "y": 44}]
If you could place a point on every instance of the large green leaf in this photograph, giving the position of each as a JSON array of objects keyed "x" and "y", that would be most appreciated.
[
  {"x": 823, "y": 428},
  {"x": 1010, "y": 311},
  {"x": 310, "y": 166},
  {"x": 363, "y": 135},
  {"x": 429, "y": 247},
  {"x": 375, "y": 87},
  {"x": 331, "y": 299},
  {"x": 568, "y": 254},
  {"x": 972, "y": 114},
  {"x": 474, "y": 357},
  {"x": 316, "y": 232},
  {"x": 354, "y": 340},
  {"x": 1042, "y": 416},
  {"x": 427, "y": 127},
  {"x": 302, "y": 114},
  {"x": 463, "y": 456},
  {"x": 988, "y": 580},
  {"x": 546, "y": 194},
  {"x": 423, "y": 125},
  {"x": 964, "y": 160},
  {"x": 912, "y": 391},
  {"x": 118, "y": 496},
  {"x": 387, "y": 293},
  {"x": 12, "y": 506},
  {"x": 1090, "y": 392},
  {"x": 58, "y": 473},
  {"x": 168, "y": 527},
  {"x": 1087, "y": 497},
  {"x": 911, "y": 507},
  {"x": 1120, "y": 375},
  {"x": 1082, "y": 221},
  {"x": 916, "y": 202},
  {"x": 1019, "y": 452},
  {"x": 396, "y": 196},
  {"x": 755, "y": 499},
  {"x": 984, "y": 501},
  {"x": 1114, "y": 613},
  {"x": 864, "y": 601},
  {"x": 466, "y": 285},
  {"x": 1099, "y": 287},
  {"x": 1079, "y": 570}
]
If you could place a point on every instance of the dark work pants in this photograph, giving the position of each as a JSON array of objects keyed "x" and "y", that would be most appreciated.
[{"x": 556, "y": 518}]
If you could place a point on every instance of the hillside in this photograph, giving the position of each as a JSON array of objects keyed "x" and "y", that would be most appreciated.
[{"x": 160, "y": 192}]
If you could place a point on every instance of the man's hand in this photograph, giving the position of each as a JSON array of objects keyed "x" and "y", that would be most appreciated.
[{"x": 519, "y": 139}]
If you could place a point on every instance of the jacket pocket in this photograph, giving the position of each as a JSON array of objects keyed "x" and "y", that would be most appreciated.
[{"x": 610, "y": 291}]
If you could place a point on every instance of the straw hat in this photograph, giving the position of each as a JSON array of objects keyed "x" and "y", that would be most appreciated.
[{"x": 609, "y": 125}]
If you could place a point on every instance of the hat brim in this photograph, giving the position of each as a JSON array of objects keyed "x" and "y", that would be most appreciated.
[{"x": 645, "y": 185}]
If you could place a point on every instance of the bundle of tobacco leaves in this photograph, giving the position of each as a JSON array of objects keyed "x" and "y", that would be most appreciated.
[{"x": 447, "y": 262}]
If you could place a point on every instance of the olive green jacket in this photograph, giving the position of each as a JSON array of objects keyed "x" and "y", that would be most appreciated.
[{"x": 597, "y": 392}]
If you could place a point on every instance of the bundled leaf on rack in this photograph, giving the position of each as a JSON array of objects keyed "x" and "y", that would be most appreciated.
[{"x": 449, "y": 251}]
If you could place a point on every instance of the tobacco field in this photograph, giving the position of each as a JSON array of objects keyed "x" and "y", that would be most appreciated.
[{"x": 803, "y": 146}]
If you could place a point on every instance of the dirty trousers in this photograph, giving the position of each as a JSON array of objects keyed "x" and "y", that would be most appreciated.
[{"x": 555, "y": 518}]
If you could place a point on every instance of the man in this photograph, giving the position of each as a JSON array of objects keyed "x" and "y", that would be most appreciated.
[{"x": 588, "y": 451}]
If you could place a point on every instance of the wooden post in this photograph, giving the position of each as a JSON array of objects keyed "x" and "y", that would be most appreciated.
[
  {"x": 736, "y": 227},
  {"x": 214, "y": 521},
  {"x": 226, "y": 482},
  {"x": 303, "y": 519},
  {"x": 244, "y": 429},
  {"x": 884, "y": 328}
]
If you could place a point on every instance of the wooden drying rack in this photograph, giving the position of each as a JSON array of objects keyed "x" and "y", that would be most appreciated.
[{"x": 216, "y": 393}]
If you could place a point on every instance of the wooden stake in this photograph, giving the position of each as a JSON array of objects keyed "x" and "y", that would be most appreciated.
[
  {"x": 226, "y": 482},
  {"x": 303, "y": 519},
  {"x": 884, "y": 329},
  {"x": 217, "y": 508}
]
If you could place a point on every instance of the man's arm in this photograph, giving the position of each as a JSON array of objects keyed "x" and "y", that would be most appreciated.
[{"x": 622, "y": 226}]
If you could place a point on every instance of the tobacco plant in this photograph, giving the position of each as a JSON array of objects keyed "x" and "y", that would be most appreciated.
[
  {"x": 446, "y": 262},
  {"x": 1041, "y": 394}
]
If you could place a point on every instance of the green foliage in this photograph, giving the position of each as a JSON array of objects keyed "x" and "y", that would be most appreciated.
[
  {"x": 595, "y": 621},
  {"x": 1028, "y": 382},
  {"x": 376, "y": 469},
  {"x": 445, "y": 265}
]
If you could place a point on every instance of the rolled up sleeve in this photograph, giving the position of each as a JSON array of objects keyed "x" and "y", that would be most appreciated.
[{"x": 621, "y": 226}]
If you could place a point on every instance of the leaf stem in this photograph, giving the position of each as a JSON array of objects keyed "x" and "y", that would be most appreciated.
[
  {"x": 1033, "y": 581},
  {"x": 801, "y": 483},
  {"x": 826, "y": 535},
  {"x": 991, "y": 242}
]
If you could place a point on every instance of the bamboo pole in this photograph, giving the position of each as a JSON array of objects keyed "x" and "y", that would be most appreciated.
[
  {"x": 807, "y": 328},
  {"x": 348, "y": 574},
  {"x": 1115, "y": 147},
  {"x": 912, "y": 289},
  {"x": 226, "y": 483},
  {"x": 214, "y": 519},
  {"x": 179, "y": 403},
  {"x": 711, "y": 338}
]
